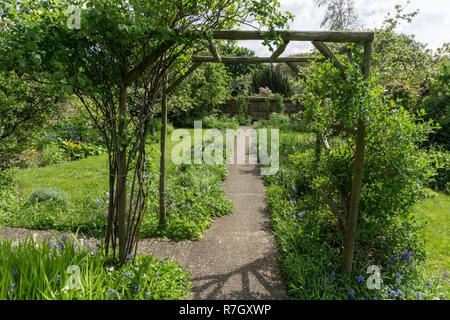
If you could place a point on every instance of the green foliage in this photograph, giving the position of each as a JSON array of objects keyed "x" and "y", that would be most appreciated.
[
  {"x": 436, "y": 104},
  {"x": 50, "y": 195},
  {"x": 219, "y": 122},
  {"x": 441, "y": 162},
  {"x": 194, "y": 197},
  {"x": 24, "y": 107},
  {"x": 310, "y": 241},
  {"x": 51, "y": 154},
  {"x": 277, "y": 120},
  {"x": 39, "y": 271},
  {"x": 201, "y": 93},
  {"x": 404, "y": 65},
  {"x": 272, "y": 78},
  {"x": 241, "y": 85}
]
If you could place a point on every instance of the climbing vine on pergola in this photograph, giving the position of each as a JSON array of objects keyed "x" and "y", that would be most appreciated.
[{"x": 318, "y": 39}]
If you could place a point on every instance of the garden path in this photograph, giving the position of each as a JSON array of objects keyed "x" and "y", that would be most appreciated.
[{"x": 236, "y": 258}]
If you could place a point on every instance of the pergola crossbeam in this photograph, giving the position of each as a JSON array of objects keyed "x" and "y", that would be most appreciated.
[
  {"x": 279, "y": 50},
  {"x": 180, "y": 79},
  {"x": 253, "y": 59},
  {"x": 293, "y": 67},
  {"x": 327, "y": 53},
  {"x": 290, "y": 35}
]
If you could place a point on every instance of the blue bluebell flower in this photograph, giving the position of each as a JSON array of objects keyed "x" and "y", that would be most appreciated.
[{"x": 351, "y": 293}]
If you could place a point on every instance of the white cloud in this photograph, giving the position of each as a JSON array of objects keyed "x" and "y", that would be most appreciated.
[{"x": 431, "y": 25}]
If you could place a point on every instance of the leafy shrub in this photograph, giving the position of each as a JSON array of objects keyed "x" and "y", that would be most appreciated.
[
  {"x": 39, "y": 271},
  {"x": 51, "y": 154},
  {"x": 193, "y": 197},
  {"x": 272, "y": 78},
  {"x": 437, "y": 106},
  {"x": 201, "y": 94},
  {"x": 219, "y": 122},
  {"x": 76, "y": 150},
  {"x": 310, "y": 240},
  {"x": 77, "y": 126},
  {"x": 50, "y": 195},
  {"x": 241, "y": 85},
  {"x": 441, "y": 163}
]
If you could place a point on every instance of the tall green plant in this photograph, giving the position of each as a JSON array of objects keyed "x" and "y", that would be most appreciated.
[
  {"x": 395, "y": 169},
  {"x": 272, "y": 78}
]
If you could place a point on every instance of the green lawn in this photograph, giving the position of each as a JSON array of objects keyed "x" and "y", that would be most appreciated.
[
  {"x": 77, "y": 178},
  {"x": 436, "y": 235}
]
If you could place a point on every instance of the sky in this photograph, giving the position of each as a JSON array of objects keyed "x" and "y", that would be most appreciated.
[{"x": 430, "y": 26}]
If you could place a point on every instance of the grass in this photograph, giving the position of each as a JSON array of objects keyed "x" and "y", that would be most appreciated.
[
  {"x": 64, "y": 269},
  {"x": 436, "y": 234},
  {"x": 77, "y": 178}
]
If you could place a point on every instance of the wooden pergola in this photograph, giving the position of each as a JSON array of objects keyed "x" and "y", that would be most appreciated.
[{"x": 318, "y": 39}]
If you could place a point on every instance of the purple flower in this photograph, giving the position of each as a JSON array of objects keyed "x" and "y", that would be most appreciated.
[
  {"x": 148, "y": 294},
  {"x": 351, "y": 293},
  {"x": 300, "y": 214},
  {"x": 359, "y": 278},
  {"x": 126, "y": 274},
  {"x": 427, "y": 284},
  {"x": 394, "y": 293},
  {"x": 11, "y": 287}
]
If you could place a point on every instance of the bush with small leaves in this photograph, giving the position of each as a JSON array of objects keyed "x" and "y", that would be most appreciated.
[{"x": 53, "y": 195}]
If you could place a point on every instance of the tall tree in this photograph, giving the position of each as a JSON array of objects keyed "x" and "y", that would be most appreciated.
[{"x": 339, "y": 15}]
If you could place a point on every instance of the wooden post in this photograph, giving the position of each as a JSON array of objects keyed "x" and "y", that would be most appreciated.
[
  {"x": 162, "y": 177},
  {"x": 352, "y": 219},
  {"x": 214, "y": 51}
]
